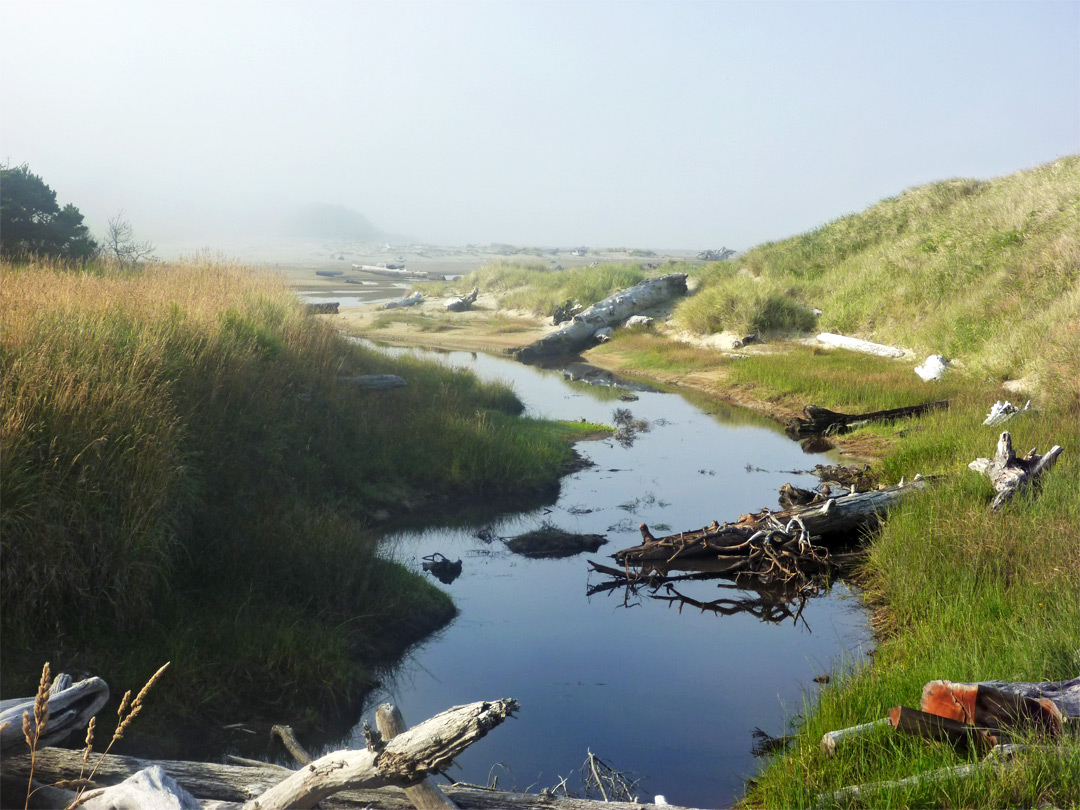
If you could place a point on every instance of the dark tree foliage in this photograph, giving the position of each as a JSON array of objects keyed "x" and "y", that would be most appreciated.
[{"x": 33, "y": 224}]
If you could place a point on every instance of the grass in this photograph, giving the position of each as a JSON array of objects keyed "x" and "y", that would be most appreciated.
[
  {"x": 980, "y": 270},
  {"x": 179, "y": 461}
]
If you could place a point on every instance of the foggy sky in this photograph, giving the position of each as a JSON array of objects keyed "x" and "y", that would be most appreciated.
[{"x": 641, "y": 124}]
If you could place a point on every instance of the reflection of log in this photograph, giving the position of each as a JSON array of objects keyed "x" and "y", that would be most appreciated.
[
  {"x": 612, "y": 311},
  {"x": 835, "y": 517},
  {"x": 1010, "y": 474},
  {"x": 817, "y": 420}
]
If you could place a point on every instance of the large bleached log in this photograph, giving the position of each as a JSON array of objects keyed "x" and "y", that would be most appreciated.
[
  {"x": 71, "y": 705},
  {"x": 856, "y": 345},
  {"x": 577, "y": 334},
  {"x": 425, "y": 795},
  {"x": 1010, "y": 474},
  {"x": 816, "y": 420}
]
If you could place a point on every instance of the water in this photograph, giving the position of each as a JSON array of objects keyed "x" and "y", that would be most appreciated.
[{"x": 669, "y": 695}]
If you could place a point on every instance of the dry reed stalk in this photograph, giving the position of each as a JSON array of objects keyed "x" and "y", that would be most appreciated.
[{"x": 41, "y": 719}]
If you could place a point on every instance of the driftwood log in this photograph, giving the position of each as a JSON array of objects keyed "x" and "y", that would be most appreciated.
[
  {"x": 817, "y": 421},
  {"x": 408, "y": 301},
  {"x": 857, "y": 345},
  {"x": 425, "y": 794},
  {"x": 835, "y": 517},
  {"x": 235, "y": 784},
  {"x": 462, "y": 303},
  {"x": 1010, "y": 474},
  {"x": 71, "y": 705},
  {"x": 577, "y": 334}
]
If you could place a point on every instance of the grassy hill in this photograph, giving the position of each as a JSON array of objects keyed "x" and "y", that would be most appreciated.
[{"x": 987, "y": 272}]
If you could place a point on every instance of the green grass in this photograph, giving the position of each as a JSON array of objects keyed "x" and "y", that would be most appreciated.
[
  {"x": 976, "y": 270},
  {"x": 178, "y": 460}
]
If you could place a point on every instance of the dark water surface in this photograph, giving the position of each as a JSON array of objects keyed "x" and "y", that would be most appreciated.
[{"x": 668, "y": 695}]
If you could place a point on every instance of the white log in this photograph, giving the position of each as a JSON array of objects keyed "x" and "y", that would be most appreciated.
[
  {"x": 71, "y": 705},
  {"x": 405, "y": 760},
  {"x": 149, "y": 789},
  {"x": 425, "y": 795},
  {"x": 833, "y": 738},
  {"x": 856, "y": 345},
  {"x": 408, "y": 301},
  {"x": 576, "y": 334}
]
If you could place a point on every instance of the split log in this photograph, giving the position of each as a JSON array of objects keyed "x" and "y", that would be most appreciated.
[
  {"x": 856, "y": 345},
  {"x": 1010, "y": 474},
  {"x": 816, "y": 420},
  {"x": 576, "y": 335},
  {"x": 836, "y": 517},
  {"x": 462, "y": 303},
  {"x": 373, "y": 382},
  {"x": 71, "y": 705},
  {"x": 934, "y": 727},
  {"x": 425, "y": 795},
  {"x": 402, "y": 761}
]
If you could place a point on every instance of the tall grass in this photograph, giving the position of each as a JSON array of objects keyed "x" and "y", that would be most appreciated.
[
  {"x": 179, "y": 457},
  {"x": 976, "y": 270}
]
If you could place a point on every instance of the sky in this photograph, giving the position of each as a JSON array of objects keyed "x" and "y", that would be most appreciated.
[{"x": 656, "y": 125}]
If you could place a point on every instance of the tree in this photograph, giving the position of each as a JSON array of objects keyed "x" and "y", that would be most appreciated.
[
  {"x": 33, "y": 224},
  {"x": 120, "y": 242}
]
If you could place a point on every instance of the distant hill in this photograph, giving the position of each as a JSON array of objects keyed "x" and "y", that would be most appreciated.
[{"x": 325, "y": 221}]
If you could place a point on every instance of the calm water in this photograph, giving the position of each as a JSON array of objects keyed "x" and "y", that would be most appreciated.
[{"x": 670, "y": 696}]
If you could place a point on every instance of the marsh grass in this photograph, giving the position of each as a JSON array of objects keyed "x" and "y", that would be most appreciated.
[{"x": 178, "y": 459}]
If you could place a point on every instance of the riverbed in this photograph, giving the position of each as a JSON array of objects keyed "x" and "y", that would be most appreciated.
[{"x": 666, "y": 691}]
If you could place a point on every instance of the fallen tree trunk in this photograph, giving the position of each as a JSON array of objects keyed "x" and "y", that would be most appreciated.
[
  {"x": 817, "y": 420},
  {"x": 424, "y": 795},
  {"x": 835, "y": 517},
  {"x": 234, "y": 784},
  {"x": 1010, "y": 474},
  {"x": 71, "y": 705},
  {"x": 857, "y": 345},
  {"x": 613, "y": 310}
]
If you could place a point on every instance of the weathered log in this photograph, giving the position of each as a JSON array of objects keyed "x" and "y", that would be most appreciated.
[
  {"x": 856, "y": 345},
  {"x": 612, "y": 311},
  {"x": 292, "y": 745},
  {"x": 391, "y": 272},
  {"x": 402, "y": 761},
  {"x": 462, "y": 303},
  {"x": 842, "y": 516},
  {"x": 425, "y": 795},
  {"x": 408, "y": 301},
  {"x": 149, "y": 789},
  {"x": 373, "y": 382},
  {"x": 817, "y": 420},
  {"x": 1010, "y": 474},
  {"x": 71, "y": 705},
  {"x": 1004, "y": 411},
  {"x": 935, "y": 727}
]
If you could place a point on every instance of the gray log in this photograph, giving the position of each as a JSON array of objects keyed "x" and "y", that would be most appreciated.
[
  {"x": 577, "y": 334},
  {"x": 462, "y": 303},
  {"x": 425, "y": 795},
  {"x": 71, "y": 705},
  {"x": 1010, "y": 474},
  {"x": 404, "y": 761}
]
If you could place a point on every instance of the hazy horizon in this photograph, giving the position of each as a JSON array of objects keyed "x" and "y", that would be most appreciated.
[{"x": 643, "y": 124}]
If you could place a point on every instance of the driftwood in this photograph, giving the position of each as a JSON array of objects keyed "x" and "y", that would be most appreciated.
[
  {"x": 425, "y": 795},
  {"x": 233, "y": 785},
  {"x": 323, "y": 308},
  {"x": 386, "y": 270},
  {"x": 462, "y": 303},
  {"x": 1010, "y": 474},
  {"x": 578, "y": 333},
  {"x": 835, "y": 517},
  {"x": 832, "y": 739},
  {"x": 408, "y": 301},
  {"x": 817, "y": 420},
  {"x": 856, "y": 345},
  {"x": 1004, "y": 411},
  {"x": 292, "y": 745},
  {"x": 71, "y": 705}
]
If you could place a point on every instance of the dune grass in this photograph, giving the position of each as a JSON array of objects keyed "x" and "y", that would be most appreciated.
[
  {"x": 980, "y": 270},
  {"x": 180, "y": 461}
]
